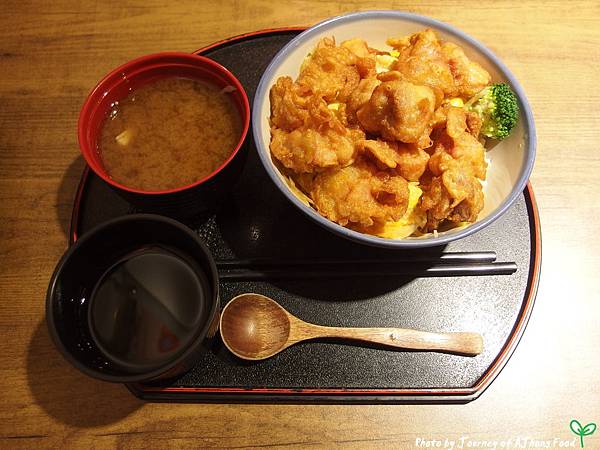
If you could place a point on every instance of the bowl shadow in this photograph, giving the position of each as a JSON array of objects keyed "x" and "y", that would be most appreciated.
[
  {"x": 68, "y": 395},
  {"x": 277, "y": 232},
  {"x": 66, "y": 193}
]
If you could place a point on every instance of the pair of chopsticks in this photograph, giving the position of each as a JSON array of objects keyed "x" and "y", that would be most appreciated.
[{"x": 451, "y": 264}]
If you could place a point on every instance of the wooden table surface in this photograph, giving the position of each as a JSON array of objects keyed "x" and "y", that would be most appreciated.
[{"x": 51, "y": 55}]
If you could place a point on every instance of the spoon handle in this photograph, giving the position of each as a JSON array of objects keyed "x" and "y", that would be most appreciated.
[{"x": 463, "y": 343}]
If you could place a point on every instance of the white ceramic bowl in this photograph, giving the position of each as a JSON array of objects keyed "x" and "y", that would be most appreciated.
[{"x": 510, "y": 161}]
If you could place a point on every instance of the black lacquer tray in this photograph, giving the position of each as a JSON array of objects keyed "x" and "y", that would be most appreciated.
[{"x": 256, "y": 221}]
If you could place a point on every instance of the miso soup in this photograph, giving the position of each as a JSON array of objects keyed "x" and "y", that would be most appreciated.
[{"x": 168, "y": 134}]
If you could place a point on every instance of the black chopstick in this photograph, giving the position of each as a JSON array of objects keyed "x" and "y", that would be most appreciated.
[
  {"x": 443, "y": 258},
  {"x": 417, "y": 270}
]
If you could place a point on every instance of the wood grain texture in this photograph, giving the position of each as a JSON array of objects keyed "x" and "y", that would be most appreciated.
[
  {"x": 52, "y": 54},
  {"x": 464, "y": 343}
]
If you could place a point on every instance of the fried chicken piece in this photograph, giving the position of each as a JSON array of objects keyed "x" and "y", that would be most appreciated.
[
  {"x": 288, "y": 104},
  {"x": 452, "y": 190},
  {"x": 360, "y": 194},
  {"x": 366, "y": 63},
  {"x": 367, "y": 67},
  {"x": 385, "y": 154},
  {"x": 435, "y": 202},
  {"x": 440, "y": 116},
  {"x": 438, "y": 121},
  {"x": 474, "y": 124},
  {"x": 409, "y": 161},
  {"x": 469, "y": 76},
  {"x": 330, "y": 71},
  {"x": 358, "y": 46},
  {"x": 307, "y": 150},
  {"x": 360, "y": 97},
  {"x": 412, "y": 161},
  {"x": 292, "y": 107},
  {"x": 466, "y": 150},
  {"x": 399, "y": 110},
  {"x": 422, "y": 61},
  {"x": 438, "y": 202}
]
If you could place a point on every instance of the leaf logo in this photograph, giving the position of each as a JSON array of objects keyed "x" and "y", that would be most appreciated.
[{"x": 582, "y": 431}]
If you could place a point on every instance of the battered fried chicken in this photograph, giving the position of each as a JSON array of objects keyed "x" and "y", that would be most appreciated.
[
  {"x": 333, "y": 72},
  {"x": 351, "y": 139},
  {"x": 360, "y": 97},
  {"x": 307, "y": 150},
  {"x": 360, "y": 194},
  {"x": 366, "y": 63},
  {"x": 293, "y": 106},
  {"x": 473, "y": 124},
  {"x": 359, "y": 47},
  {"x": 409, "y": 161},
  {"x": 288, "y": 104},
  {"x": 306, "y": 135},
  {"x": 399, "y": 110},
  {"x": 453, "y": 191},
  {"x": 422, "y": 61},
  {"x": 440, "y": 117},
  {"x": 469, "y": 76}
]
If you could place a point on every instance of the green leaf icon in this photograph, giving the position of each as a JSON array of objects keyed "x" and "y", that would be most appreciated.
[
  {"x": 575, "y": 426},
  {"x": 589, "y": 429},
  {"x": 582, "y": 431}
]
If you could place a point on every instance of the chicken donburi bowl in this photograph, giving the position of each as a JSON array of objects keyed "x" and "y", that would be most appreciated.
[{"x": 389, "y": 141}]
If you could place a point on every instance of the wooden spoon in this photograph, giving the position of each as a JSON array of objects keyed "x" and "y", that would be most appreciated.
[{"x": 255, "y": 327}]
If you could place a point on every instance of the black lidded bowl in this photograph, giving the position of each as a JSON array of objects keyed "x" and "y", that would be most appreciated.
[{"x": 88, "y": 260}]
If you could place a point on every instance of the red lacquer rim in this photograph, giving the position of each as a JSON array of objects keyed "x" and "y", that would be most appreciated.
[{"x": 468, "y": 393}]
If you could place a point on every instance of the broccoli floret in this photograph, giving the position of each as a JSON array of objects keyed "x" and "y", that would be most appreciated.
[{"x": 498, "y": 108}]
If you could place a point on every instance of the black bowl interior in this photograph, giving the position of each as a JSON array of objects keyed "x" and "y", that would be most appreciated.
[{"x": 84, "y": 264}]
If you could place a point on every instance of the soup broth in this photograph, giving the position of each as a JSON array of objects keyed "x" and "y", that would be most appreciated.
[
  {"x": 147, "y": 308},
  {"x": 168, "y": 134}
]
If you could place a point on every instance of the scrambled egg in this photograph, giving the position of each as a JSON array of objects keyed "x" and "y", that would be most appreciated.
[
  {"x": 411, "y": 220},
  {"x": 458, "y": 102},
  {"x": 384, "y": 62},
  {"x": 339, "y": 109}
]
